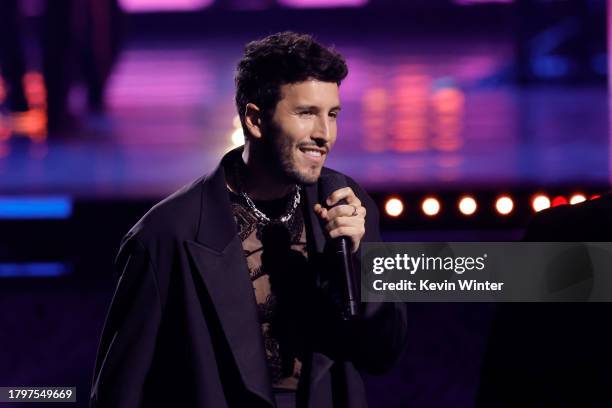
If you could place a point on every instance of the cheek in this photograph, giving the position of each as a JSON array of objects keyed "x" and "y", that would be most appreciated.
[
  {"x": 301, "y": 129},
  {"x": 295, "y": 132}
]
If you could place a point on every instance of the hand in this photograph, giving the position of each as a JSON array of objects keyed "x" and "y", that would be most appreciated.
[{"x": 346, "y": 220}]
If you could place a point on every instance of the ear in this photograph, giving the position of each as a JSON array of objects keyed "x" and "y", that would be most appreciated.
[{"x": 252, "y": 119}]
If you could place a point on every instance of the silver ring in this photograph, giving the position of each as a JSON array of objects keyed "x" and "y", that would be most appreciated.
[{"x": 354, "y": 210}]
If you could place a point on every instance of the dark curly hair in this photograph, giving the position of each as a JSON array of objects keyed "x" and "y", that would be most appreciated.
[{"x": 279, "y": 59}]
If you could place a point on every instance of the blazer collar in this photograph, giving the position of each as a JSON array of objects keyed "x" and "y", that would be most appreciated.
[
  {"x": 219, "y": 259},
  {"x": 217, "y": 227}
]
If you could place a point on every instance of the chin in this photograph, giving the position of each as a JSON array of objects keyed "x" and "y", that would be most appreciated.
[{"x": 305, "y": 177}]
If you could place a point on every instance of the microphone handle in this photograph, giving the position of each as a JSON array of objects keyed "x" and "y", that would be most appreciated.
[{"x": 343, "y": 249}]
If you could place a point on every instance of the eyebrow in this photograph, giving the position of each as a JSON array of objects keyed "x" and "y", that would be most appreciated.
[{"x": 316, "y": 108}]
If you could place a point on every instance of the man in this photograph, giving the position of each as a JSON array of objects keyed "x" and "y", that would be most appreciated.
[
  {"x": 553, "y": 354},
  {"x": 225, "y": 295}
]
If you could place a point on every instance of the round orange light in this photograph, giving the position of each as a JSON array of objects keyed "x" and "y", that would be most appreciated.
[
  {"x": 467, "y": 205},
  {"x": 577, "y": 198},
  {"x": 394, "y": 207},
  {"x": 540, "y": 202},
  {"x": 504, "y": 205},
  {"x": 430, "y": 206}
]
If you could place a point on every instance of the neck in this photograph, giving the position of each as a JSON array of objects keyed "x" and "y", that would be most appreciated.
[{"x": 260, "y": 181}]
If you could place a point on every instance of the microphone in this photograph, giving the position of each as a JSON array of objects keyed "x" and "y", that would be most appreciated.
[{"x": 342, "y": 249}]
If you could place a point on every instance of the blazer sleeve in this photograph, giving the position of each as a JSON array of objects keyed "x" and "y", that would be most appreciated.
[
  {"x": 374, "y": 342},
  {"x": 128, "y": 338}
]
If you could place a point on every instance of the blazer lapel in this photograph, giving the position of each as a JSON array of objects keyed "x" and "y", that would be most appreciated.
[
  {"x": 320, "y": 365},
  {"x": 220, "y": 261}
]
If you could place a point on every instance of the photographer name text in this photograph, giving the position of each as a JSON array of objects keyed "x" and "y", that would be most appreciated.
[{"x": 424, "y": 264}]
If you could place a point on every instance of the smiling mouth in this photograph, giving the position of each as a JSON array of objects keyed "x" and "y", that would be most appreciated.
[{"x": 314, "y": 152}]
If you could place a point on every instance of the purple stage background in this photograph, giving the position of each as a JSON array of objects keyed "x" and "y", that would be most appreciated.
[{"x": 443, "y": 98}]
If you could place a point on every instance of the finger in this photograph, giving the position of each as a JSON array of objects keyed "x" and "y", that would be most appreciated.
[
  {"x": 341, "y": 222},
  {"x": 341, "y": 211},
  {"x": 321, "y": 211},
  {"x": 354, "y": 233},
  {"x": 354, "y": 200},
  {"x": 345, "y": 193},
  {"x": 346, "y": 211}
]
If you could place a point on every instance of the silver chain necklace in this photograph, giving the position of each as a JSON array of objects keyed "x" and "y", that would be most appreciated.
[{"x": 263, "y": 218}]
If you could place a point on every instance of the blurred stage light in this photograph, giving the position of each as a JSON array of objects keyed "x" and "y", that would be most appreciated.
[
  {"x": 236, "y": 122},
  {"x": 467, "y": 205},
  {"x": 595, "y": 196},
  {"x": 143, "y": 6},
  {"x": 322, "y": 3},
  {"x": 430, "y": 206},
  {"x": 577, "y": 198},
  {"x": 5, "y": 130},
  {"x": 35, "y": 207},
  {"x": 504, "y": 205},
  {"x": 238, "y": 137},
  {"x": 540, "y": 202},
  {"x": 35, "y": 90},
  {"x": 32, "y": 123},
  {"x": 559, "y": 200},
  {"x": 33, "y": 270},
  {"x": 394, "y": 207},
  {"x": 2, "y": 90}
]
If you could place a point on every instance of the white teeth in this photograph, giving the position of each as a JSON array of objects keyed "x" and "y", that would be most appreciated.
[{"x": 313, "y": 153}]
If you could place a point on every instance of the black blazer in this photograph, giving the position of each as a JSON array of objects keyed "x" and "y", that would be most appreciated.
[
  {"x": 553, "y": 354},
  {"x": 182, "y": 329}
]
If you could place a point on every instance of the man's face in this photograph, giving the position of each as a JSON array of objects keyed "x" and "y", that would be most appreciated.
[{"x": 303, "y": 129}]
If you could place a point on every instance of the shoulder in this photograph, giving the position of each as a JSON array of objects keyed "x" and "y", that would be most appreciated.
[
  {"x": 175, "y": 217},
  {"x": 154, "y": 239}
]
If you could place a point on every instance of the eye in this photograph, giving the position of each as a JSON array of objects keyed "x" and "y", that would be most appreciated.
[
  {"x": 305, "y": 113},
  {"x": 333, "y": 115}
]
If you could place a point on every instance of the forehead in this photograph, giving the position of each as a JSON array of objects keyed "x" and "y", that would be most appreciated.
[{"x": 311, "y": 93}]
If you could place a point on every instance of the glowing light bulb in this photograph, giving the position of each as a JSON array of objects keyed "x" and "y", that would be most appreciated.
[
  {"x": 467, "y": 205},
  {"x": 540, "y": 202},
  {"x": 577, "y": 198},
  {"x": 430, "y": 206},
  {"x": 394, "y": 207},
  {"x": 504, "y": 205}
]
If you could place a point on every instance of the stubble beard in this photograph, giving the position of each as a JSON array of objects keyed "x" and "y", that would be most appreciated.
[
  {"x": 280, "y": 154},
  {"x": 285, "y": 152}
]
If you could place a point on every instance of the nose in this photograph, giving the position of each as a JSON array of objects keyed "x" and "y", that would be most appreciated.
[{"x": 322, "y": 130}]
